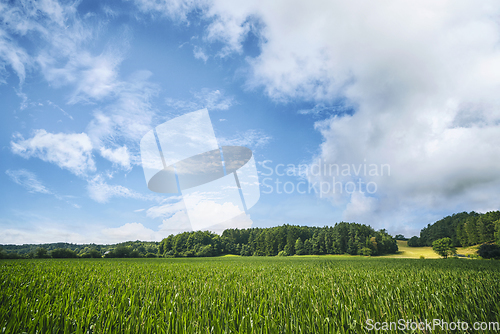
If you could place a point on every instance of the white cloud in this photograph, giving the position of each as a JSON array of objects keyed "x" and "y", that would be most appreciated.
[
  {"x": 27, "y": 180},
  {"x": 69, "y": 151},
  {"x": 38, "y": 235},
  {"x": 130, "y": 232},
  {"x": 128, "y": 117},
  {"x": 93, "y": 77},
  {"x": 169, "y": 207},
  {"x": 322, "y": 110},
  {"x": 97, "y": 76},
  {"x": 177, "y": 223},
  {"x": 206, "y": 98},
  {"x": 14, "y": 56},
  {"x": 230, "y": 22},
  {"x": 100, "y": 191},
  {"x": 213, "y": 212},
  {"x": 50, "y": 103},
  {"x": 423, "y": 83},
  {"x": 424, "y": 104},
  {"x": 61, "y": 52},
  {"x": 250, "y": 138},
  {"x": 55, "y": 23},
  {"x": 119, "y": 156},
  {"x": 176, "y": 10},
  {"x": 30, "y": 181},
  {"x": 200, "y": 54}
]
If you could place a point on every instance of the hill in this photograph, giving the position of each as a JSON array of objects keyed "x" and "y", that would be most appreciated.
[{"x": 464, "y": 229}]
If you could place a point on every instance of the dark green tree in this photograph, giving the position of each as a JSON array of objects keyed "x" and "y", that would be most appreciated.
[
  {"x": 444, "y": 247},
  {"x": 489, "y": 251},
  {"x": 472, "y": 231},
  {"x": 299, "y": 247},
  {"x": 414, "y": 242},
  {"x": 61, "y": 253},
  {"x": 497, "y": 231},
  {"x": 41, "y": 253}
]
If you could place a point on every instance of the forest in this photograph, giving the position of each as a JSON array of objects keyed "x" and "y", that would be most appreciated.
[
  {"x": 68, "y": 250},
  {"x": 464, "y": 229},
  {"x": 343, "y": 238}
]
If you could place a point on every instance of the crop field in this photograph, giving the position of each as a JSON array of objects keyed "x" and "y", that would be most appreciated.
[{"x": 313, "y": 294}]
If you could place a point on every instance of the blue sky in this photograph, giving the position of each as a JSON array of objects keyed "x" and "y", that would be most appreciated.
[{"x": 344, "y": 85}]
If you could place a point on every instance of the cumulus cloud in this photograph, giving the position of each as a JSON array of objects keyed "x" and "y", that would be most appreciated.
[
  {"x": 425, "y": 106},
  {"x": 177, "y": 223},
  {"x": 69, "y": 151},
  {"x": 422, "y": 79},
  {"x": 27, "y": 180}
]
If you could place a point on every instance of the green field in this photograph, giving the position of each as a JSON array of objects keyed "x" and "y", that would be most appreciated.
[{"x": 314, "y": 294}]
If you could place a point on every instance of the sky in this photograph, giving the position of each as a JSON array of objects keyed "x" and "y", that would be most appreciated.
[{"x": 383, "y": 113}]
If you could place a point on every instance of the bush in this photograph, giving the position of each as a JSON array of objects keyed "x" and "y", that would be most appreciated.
[
  {"x": 245, "y": 250},
  {"x": 135, "y": 253},
  {"x": 41, "y": 253},
  {"x": 489, "y": 251},
  {"x": 414, "y": 242},
  {"x": 63, "y": 253},
  {"x": 120, "y": 251},
  {"x": 94, "y": 253},
  {"x": 206, "y": 251},
  {"x": 282, "y": 253},
  {"x": 366, "y": 251},
  {"x": 5, "y": 255}
]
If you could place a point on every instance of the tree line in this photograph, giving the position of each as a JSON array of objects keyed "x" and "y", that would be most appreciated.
[
  {"x": 136, "y": 249},
  {"x": 343, "y": 238},
  {"x": 464, "y": 229}
]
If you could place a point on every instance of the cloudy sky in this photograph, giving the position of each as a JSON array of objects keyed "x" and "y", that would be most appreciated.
[{"x": 398, "y": 100}]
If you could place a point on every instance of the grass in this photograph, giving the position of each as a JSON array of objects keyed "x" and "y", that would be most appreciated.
[
  {"x": 312, "y": 294},
  {"x": 413, "y": 252},
  {"x": 406, "y": 252}
]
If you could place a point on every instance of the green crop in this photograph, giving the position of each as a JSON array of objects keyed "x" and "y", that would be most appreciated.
[{"x": 322, "y": 294}]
